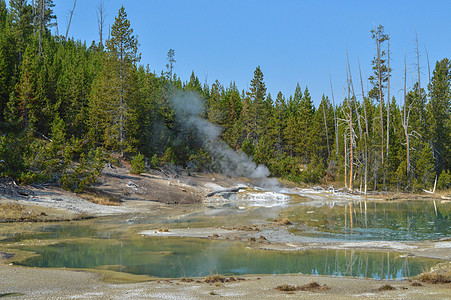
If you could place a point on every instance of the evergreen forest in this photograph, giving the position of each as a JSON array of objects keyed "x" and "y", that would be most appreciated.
[{"x": 68, "y": 108}]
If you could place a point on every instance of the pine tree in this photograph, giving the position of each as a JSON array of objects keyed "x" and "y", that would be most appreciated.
[
  {"x": 19, "y": 111},
  {"x": 305, "y": 135},
  {"x": 194, "y": 84},
  {"x": 322, "y": 127},
  {"x": 115, "y": 86},
  {"x": 256, "y": 96},
  {"x": 6, "y": 60},
  {"x": 424, "y": 168},
  {"x": 217, "y": 112},
  {"x": 21, "y": 21},
  {"x": 170, "y": 64},
  {"x": 379, "y": 78},
  {"x": 123, "y": 46},
  {"x": 276, "y": 124},
  {"x": 232, "y": 128},
  {"x": 439, "y": 115},
  {"x": 291, "y": 126}
]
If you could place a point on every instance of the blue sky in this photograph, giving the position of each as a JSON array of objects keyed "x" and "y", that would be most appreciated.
[{"x": 292, "y": 41}]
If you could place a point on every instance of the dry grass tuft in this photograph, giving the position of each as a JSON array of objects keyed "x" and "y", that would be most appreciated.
[
  {"x": 102, "y": 198},
  {"x": 242, "y": 228},
  {"x": 283, "y": 221},
  {"x": 386, "y": 287},
  {"x": 13, "y": 212},
  {"x": 310, "y": 287},
  {"x": 313, "y": 286},
  {"x": 435, "y": 277},
  {"x": 214, "y": 279},
  {"x": 416, "y": 284},
  {"x": 287, "y": 288},
  {"x": 218, "y": 279}
]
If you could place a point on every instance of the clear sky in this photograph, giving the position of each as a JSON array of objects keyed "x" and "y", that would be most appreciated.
[{"x": 292, "y": 41}]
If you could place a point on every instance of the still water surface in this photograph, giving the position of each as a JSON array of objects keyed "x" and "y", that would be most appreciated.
[
  {"x": 110, "y": 242},
  {"x": 180, "y": 257},
  {"x": 375, "y": 220}
]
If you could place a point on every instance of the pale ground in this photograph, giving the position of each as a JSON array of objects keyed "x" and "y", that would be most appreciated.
[
  {"x": 152, "y": 193},
  {"x": 33, "y": 283}
]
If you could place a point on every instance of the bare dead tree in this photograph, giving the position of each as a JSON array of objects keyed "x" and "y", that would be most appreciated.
[
  {"x": 56, "y": 24},
  {"x": 346, "y": 162},
  {"x": 405, "y": 123},
  {"x": 101, "y": 20},
  {"x": 366, "y": 131},
  {"x": 353, "y": 97},
  {"x": 335, "y": 116},
  {"x": 34, "y": 6},
  {"x": 381, "y": 102},
  {"x": 41, "y": 24},
  {"x": 70, "y": 19},
  {"x": 429, "y": 66},
  {"x": 351, "y": 135},
  {"x": 327, "y": 134},
  {"x": 417, "y": 50},
  {"x": 388, "y": 102}
]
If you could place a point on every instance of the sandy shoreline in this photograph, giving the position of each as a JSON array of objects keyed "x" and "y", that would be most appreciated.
[{"x": 34, "y": 283}]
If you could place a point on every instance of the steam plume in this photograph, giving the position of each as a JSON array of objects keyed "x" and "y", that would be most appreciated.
[{"x": 189, "y": 106}]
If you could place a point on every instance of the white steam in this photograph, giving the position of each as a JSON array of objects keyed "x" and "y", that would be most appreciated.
[{"x": 188, "y": 106}]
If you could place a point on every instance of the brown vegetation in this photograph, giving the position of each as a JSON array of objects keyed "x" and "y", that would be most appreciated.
[
  {"x": 216, "y": 278},
  {"x": 100, "y": 197},
  {"x": 436, "y": 277},
  {"x": 287, "y": 288},
  {"x": 242, "y": 228},
  {"x": 13, "y": 212},
  {"x": 386, "y": 287},
  {"x": 312, "y": 286},
  {"x": 283, "y": 221}
]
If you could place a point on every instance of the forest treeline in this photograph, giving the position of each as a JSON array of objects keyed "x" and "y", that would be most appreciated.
[{"x": 68, "y": 108}]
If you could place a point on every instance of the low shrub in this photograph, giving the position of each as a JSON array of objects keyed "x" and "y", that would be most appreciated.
[{"x": 138, "y": 165}]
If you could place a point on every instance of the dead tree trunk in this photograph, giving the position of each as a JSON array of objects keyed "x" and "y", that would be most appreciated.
[
  {"x": 41, "y": 24},
  {"x": 34, "y": 6},
  {"x": 101, "y": 21},
  {"x": 418, "y": 65},
  {"x": 327, "y": 133},
  {"x": 351, "y": 84},
  {"x": 366, "y": 131},
  {"x": 405, "y": 124},
  {"x": 56, "y": 25},
  {"x": 351, "y": 138},
  {"x": 346, "y": 163},
  {"x": 388, "y": 103},
  {"x": 429, "y": 66},
  {"x": 381, "y": 102},
  {"x": 70, "y": 19},
  {"x": 335, "y": 117}
]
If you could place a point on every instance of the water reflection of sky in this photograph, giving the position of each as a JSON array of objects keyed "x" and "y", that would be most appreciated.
[
  {"x": 180, "y": 257},
  {"x": 399, "y": 221}
]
